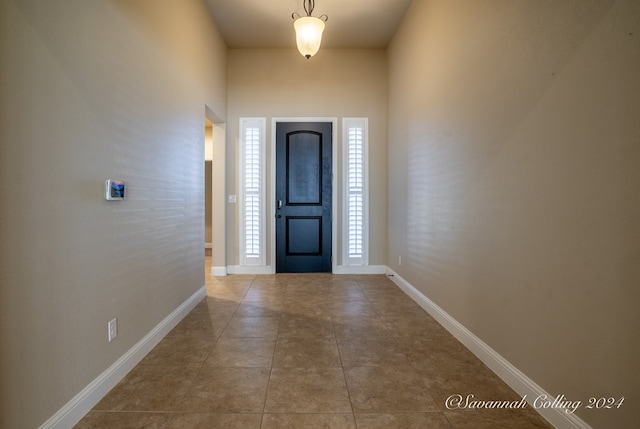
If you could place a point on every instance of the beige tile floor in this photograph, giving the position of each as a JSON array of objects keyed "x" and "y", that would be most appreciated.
[{"x": 306, "y": 351}]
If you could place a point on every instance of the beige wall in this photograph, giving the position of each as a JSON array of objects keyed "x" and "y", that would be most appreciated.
[
  {"x": 215, "y": 205},
  {"x": 514, "y": 157},
  {"x": 334, "y": 83},
  {"x": 96, "y": 89},
  {"x": 218, "y": 197}
]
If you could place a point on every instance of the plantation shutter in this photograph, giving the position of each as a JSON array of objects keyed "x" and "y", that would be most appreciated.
[
  {"x": 252, "y": 199},
  {"x": 355, "y": 143}
]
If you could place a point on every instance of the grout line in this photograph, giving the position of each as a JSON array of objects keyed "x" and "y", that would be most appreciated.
[{"x": 333, "y": 320}]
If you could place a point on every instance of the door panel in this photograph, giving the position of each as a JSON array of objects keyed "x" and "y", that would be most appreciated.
[
  {"x": 304, "y": 197},
  {"x": 303, "y": 170},
  {"x": 304, "y": 235}
]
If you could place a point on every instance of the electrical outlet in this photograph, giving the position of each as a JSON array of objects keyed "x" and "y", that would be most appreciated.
[
  {"x": 399, "y": 260},
  {"x": 113, "y": 329}
]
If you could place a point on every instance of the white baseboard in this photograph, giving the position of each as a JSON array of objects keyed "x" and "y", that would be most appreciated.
[
  {"x": 359, "y": 269},
  {"x": 248, "y": 269},
  {"x": 82, "y": 403},
  {"x": 511, "y": 375},
  {"x": 219, "y": 271},
  {"x": 268, "y": 269}
]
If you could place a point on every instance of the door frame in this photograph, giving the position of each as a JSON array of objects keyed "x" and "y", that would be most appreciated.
[
  {"x": 218, "y": 198},
  {"x": 271, "y": 198}
]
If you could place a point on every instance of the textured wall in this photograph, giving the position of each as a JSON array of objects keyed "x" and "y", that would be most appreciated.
[
  {"x": 334, "y": 83},
  {"x": 92, "y": 90},
  {"x": 514, "y": 157}
]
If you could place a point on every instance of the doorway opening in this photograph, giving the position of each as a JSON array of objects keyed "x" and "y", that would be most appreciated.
[
  {"x": 215, "y": 208},
  {"x": 208, "y": 186}
]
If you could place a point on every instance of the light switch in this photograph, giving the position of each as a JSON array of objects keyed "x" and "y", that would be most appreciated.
[{"x": 232, "y": 199}]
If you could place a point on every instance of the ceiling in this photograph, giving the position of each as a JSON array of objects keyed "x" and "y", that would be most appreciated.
[{"x": 268, "y": 23}]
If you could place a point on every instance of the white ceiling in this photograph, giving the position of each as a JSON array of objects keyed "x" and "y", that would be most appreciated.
[{"x": 268, "y": 23}]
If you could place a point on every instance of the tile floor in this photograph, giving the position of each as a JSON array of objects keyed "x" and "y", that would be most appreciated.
[{"x": 306, "y": 352}]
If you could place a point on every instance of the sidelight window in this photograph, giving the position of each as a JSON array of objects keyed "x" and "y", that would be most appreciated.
[
  {"x": 355, "y": 150},
  {"x": 252, "y": 194}
]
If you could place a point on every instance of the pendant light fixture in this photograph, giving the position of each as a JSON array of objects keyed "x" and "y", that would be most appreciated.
[{"x": 308, "y": 29}]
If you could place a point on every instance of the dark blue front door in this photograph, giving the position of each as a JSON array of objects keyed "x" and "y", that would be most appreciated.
[{"x": 303, "y": 197}]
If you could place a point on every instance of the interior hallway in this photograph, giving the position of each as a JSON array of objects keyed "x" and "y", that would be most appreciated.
[{"x": 306, "y": 351}]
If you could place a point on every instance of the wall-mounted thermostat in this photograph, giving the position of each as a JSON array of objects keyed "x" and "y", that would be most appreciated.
[{"x": 114, "y": 190}]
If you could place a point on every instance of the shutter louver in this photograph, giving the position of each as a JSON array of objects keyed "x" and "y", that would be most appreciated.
[
  {"x": 252, "y": 191},
  {"x": 355, "y": 191}
]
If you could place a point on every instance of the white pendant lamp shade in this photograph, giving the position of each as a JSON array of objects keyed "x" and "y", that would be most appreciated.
[{"x": 308, "y": 35}]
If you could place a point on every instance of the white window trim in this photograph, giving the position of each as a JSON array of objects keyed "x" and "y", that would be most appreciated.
[
  {"x": 246, "y": 260},
  {"x": 362, "y": 260}
]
